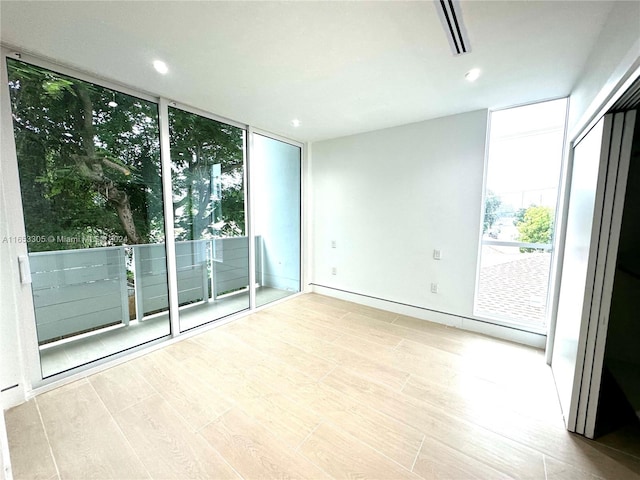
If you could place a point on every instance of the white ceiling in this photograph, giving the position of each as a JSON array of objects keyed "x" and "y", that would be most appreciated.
[{"x": 340, "y": 67}]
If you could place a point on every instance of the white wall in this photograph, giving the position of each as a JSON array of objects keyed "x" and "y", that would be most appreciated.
[
  {"x": 615, "y": 52},
  {"x": 389, "y": 198}
]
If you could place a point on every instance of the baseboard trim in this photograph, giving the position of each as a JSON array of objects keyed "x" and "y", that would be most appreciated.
[
  {"x": 453, "y": 320},
  {"x": 12, "y": 396}
]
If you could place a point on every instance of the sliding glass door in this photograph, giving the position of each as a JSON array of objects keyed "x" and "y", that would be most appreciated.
[
  {"x": 96, "y": 216},
  {"x": 212, "y": 248},
  {"x": 275, "y": 181},
  {"x": 90, "y": 176}
]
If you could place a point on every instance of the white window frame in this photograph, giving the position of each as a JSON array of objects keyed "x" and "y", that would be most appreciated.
[
  {"x": 31, "y": 381},
  {"x": 551, "y": 247}
]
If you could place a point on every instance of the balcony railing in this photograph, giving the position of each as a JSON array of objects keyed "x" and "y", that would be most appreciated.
[{"x": 76, "y": 291}]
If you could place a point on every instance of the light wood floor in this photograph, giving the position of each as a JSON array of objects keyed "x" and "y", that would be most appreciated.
[{"x": 313, "y": 388}]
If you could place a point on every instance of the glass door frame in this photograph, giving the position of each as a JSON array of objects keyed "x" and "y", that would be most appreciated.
[
  {"x": 165, "y": 152},
  {"x": 28, "y": 352},
  {"x": 250, "y": 227},
  {"x": 32, "y": 376}
]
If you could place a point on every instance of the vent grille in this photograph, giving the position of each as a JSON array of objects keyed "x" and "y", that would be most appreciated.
[{"x": 451, "y": 18}]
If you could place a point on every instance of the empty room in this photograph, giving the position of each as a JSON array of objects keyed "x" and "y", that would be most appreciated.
[{"x": 319, "y": 239}]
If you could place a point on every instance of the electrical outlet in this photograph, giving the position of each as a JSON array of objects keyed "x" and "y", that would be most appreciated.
[
  {"x": 333, "y": 244},
  {"x": 437, "y": 254},
  {"x": 434, "y": 288},
  {"x": 334, "y": 271}
]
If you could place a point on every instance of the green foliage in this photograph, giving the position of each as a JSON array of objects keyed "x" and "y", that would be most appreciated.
[
  {"x": 52, "y": 132},
  {"x": 536, "y": 226},
  {"x": 208, "y": 182},
  {"x": 519, "y": 216},
  {"x": 92, "y": 171},
  {"x": 491, "y": 205}
]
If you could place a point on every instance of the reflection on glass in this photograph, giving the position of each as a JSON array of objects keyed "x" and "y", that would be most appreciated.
[
  {"x": 523, "y": 173},
  {"x": 89, "y": 167},
  {"x": 276, "y": 189},
  {"x": 212, "y": 250}
]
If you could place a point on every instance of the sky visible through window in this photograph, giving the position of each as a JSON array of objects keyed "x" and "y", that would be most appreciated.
[
  {"x": 521, "y": 191},
  {"x": 525, "y": 152}
]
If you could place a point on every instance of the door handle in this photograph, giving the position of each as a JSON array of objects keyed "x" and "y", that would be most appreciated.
[{"x": 25, "y": 270}]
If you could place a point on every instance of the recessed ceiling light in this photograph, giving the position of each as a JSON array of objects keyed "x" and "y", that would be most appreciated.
[
  {"x": 472, "y": 75},
  {"x": 295, "y": 122},
  {"x": 160, "y": 66}
]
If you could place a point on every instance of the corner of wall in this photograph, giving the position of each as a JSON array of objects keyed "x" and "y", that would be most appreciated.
[
  {"x": 307, "y": 223},
  {"x": 614, "y": 58}
]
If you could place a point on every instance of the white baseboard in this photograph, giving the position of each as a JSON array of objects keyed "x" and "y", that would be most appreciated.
[
  {"x": 12, "y": 397},
  {"x": 457, "y": 321}
]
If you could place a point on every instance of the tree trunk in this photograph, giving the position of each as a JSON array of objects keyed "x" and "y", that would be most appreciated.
[{"x": 92, "y": 166}]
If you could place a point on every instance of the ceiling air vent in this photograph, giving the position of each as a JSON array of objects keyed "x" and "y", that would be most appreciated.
[{"x": 451, "y": 18}]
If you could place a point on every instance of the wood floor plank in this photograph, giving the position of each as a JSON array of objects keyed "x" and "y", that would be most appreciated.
[
  {"x": 260, "y": 389},
  {"x": 344, "y": 456},
  {"x": 315, "y": 308},
  {"x": 396, "y": 440},
  {"x": 342, "y": 324},
  {"x": 376, "y": 313},
  {"x": 331, "y": 355},
  {"x": 198, "y": 401},
  {"x": 472, "y": 396},
  {"x": 233, "y": 381},
  {"x": 313, "y": 365},
  {"x": 539, "y": 429},
  {"x": 592, "y": 457},
  {"x": 437, "y": 460},
  {"x": 288, "y": 420},
  {"x": 121, "y": 386},
  {"x": 442, "y": 342},
  {"x": 362, "y": 365},
  {"x": 184, "y": 349},
  {"x": 85, "y": 439},
  {"x": 496, "y": 451},
  {"x": 625, "y": 439},
  {"x": 472, "y": 341},
  {"x": 302, "y": 320},
  {"x": 167, "y": 446},
  {"x": 311, "y": 388},
  {"x": 425, "y": 325},
  {"x": 433, "y": 363},
  {"x": 254, "y": 451},
  {"x": 491, "y": 366},
  {"x": 250, "y": 364},
  {"x": 557, "y": 470},
  {"x": 30, "y": 453}
]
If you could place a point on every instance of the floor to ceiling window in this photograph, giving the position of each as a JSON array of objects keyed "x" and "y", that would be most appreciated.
[
  {"x": 91, "y": 179},
  {"x": 275, "y": 177},
  {"x": 89, "y": 166},
  {"x": 212, "y": 247},
  {"x": 521, "y": 191}
]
